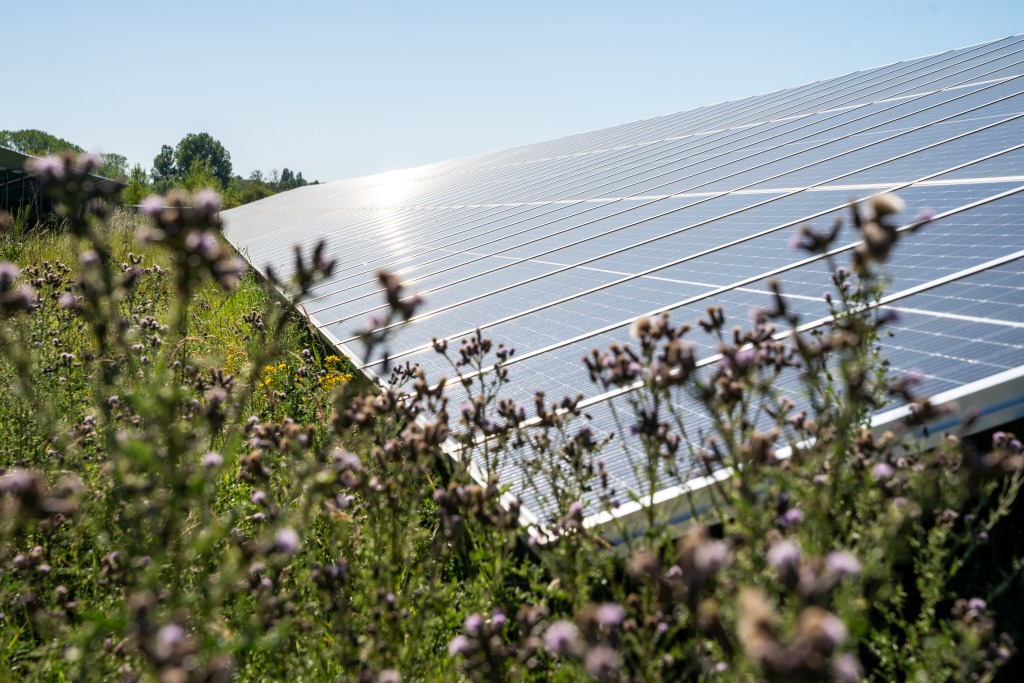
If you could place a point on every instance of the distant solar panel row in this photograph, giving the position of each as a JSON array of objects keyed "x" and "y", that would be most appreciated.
[{"x": 555, "y": 248}]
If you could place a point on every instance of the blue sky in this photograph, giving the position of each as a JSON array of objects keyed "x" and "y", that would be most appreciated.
[{"x": 341, "y": 89}]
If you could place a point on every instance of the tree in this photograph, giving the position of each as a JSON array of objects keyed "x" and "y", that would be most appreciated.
[
  {"x": 202, "y": 146},
  {"x": 40, "y": 143},
  {"x": 138, "y": 186},
  {"x": 36, "y": 142},
  {"x": 114, "y": 166},
  {"x": 200, "y": 175},
  {"x": 286, "y": 175},
  {"x": 163, "y": 164}
]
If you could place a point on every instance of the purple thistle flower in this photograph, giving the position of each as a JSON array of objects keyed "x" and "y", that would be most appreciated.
[
  {"x": 711, "y": 556},
  {"x": 792, "y": 516},
  {"x": 835, "y": 630},
  {"x": 882, "y": 470},
  {"x": 977, "y": 604},
  {"x": 828, "y": 296},
  {"x": 459, "y": 645},
  {"x": 287, "y": 541},
  {"x": 498, "y": 619},
  {"x": 207, "y": 246},
  {"x": 561, "y": 637},
  {"x": 1016, "y": 446},
  {"x": 998, "y": 438},
  {"x": 48, "y": 165},
  {"x": 259, "y": 497},
  {"x": 473, "y": 624},
  {"x": 167, "y": 638},
  {"x": 841, "y": 563},
  {"x": 152, "y": 205},
  {"x": 846, "y": 668},
  {"x": 17, "y": 482},
  {"x": 389, "y": 676},
  {"x": 212, "y": 460},
  {"x": 610, "y": 614},
  {"x": 207, "y": 200},
  {"x": 602, "y": 662},
  {"x": 89, "y": 258},
  {"x": 783, "y": 555}
]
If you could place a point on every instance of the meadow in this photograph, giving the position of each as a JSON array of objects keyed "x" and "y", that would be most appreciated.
[{"x": 196, "y": 488}]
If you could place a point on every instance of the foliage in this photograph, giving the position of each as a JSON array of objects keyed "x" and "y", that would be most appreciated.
[
  {"x": 194, "y": 147},
  {"x": 138, "y": 187},
  {"x": 36, "y": 142},
  {"x": 163, "y": 164},
  {"x": 198, "y": 492},
  {"x": 39, "y": 143}
]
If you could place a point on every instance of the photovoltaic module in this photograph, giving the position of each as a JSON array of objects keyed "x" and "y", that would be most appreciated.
[{"x": 555, "y": 248}]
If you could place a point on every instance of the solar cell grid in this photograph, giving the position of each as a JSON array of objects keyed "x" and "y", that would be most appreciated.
[{"x": 555, "y": 247}]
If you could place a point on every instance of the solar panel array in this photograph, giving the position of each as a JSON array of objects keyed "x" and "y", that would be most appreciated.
[{"x": 555, "y": 248}]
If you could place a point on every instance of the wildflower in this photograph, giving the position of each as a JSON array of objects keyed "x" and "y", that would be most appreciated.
[
  {"x": 841, "y": 563},
  {"x": 783, "y": 556},
  {"x": 207, "y": 200},
  {"x": 882, "y": 471},
  {"x": 473, "y": 624},
  {"x": 602, "y": 662},
  {"x": 212, "y": 460},
  {"x": 460, "y": 645},
  {"x": 259, "y": 498},
  {"x": 640, "y": 327},
  {"x": 167, "y": 639},
  {"x": 498, "y": 620},
  {"x": 287, "y": 541},
  {"x": 610, "y": 614},
  {"x": 791, "y": 516},
  {"x": 846, "y": 668},
  {"x": 389, "y": 676},
  {"x": 562, "y": 638}
]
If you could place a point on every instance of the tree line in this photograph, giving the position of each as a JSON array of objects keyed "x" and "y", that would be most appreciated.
[{"x": 198, "y": 161}]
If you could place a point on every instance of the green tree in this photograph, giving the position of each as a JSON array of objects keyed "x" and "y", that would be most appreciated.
[
  {"x": 138, "y": 186},
  {"x": 35, "y": 142},
  {"x": 114, "y": 166},
  {"x": 163, "y": 164},
  {"x": 202, "y": 146},
  {"x": 200, "y": 175}
]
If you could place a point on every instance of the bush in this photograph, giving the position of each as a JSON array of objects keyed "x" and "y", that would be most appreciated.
[{"x": 195, "y": 491}]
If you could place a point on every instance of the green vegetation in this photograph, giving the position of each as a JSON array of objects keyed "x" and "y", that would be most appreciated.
[
  {"x": 198, "y": 161},
  {"x": 195, "y": 489},
  {"x": 39, "y": 143}
]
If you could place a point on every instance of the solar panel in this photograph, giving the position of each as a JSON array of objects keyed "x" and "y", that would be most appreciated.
[{"x": 556, "y": 247}]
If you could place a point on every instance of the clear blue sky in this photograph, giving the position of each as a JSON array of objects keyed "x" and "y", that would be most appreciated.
[{"x": 342, "y": 89}]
